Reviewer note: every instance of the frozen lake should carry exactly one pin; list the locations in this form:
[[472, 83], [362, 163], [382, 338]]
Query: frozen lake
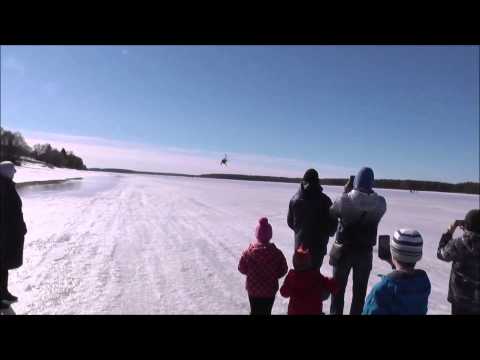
[[140, 244]]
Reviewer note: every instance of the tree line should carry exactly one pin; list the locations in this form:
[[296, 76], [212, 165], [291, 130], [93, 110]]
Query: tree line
[[396, 184], [13, 146]]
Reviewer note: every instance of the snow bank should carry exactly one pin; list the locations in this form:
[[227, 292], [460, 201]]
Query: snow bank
[[38, 171]]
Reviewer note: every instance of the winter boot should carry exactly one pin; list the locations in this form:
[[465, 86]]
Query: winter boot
[[8, 298]]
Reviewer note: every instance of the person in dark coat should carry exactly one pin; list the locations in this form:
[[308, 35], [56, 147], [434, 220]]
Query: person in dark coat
[[359, 212], [12, 229], [464, 252], [309, 217]]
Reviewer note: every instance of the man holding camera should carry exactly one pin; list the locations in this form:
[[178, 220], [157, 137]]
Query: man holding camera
[[359, 212], [464, 252]]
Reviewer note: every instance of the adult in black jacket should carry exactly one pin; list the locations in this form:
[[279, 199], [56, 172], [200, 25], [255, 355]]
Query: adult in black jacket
[[309, 217], [12, 229], [464, 252]]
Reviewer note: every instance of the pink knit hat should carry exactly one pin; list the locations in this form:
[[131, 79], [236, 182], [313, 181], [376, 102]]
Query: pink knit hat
[[263, 232]]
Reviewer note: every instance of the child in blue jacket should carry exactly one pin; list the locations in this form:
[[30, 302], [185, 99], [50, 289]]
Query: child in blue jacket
[[404, 291]]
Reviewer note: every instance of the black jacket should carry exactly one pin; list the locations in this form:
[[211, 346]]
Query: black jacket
[[464, 252], [12, 226], [309, 218]]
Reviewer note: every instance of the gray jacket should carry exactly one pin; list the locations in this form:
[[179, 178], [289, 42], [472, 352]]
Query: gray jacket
[[464, 252], [359, 214]]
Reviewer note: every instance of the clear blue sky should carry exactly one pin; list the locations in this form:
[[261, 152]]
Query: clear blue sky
[[407, 111]]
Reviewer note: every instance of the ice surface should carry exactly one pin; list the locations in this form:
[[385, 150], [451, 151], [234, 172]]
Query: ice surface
[[140, 244]]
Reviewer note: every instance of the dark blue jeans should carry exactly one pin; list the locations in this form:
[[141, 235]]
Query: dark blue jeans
[[361, 263]]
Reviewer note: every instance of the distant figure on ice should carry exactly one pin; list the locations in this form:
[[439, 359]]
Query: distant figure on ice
[[309, 217], [404, 291], [263, 264], [224, 161], [12, 231], [464, 252], [359, 212], [306, 287]]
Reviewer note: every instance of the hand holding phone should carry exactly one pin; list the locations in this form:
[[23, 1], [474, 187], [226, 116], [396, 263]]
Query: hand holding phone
[[456, 223], [384, 248], [460, 223]]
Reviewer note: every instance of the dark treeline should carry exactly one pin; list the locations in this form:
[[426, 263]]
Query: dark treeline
[[415, 185], [125, 171], [13, 146]]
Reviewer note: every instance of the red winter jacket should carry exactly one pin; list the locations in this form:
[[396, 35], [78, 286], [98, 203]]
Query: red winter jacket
[[263, 264], [306, 290]]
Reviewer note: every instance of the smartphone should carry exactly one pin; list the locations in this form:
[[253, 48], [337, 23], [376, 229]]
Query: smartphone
[[352, 178], [460, 223], [384, 247]]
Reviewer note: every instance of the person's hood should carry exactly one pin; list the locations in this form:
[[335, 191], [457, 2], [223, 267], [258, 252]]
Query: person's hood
[[7, 169], [472, 242], [311, 190], [364, 201], [364, 180]]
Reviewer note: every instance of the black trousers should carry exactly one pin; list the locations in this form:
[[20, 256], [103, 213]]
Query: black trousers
[[317, 261], [361, 263], [261, 306], [3, 280], [461, 309]]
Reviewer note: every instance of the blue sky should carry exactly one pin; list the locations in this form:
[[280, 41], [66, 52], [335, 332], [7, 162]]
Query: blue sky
[[406, 111]]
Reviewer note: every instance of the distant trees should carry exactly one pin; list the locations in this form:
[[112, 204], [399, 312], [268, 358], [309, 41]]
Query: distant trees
[[411, 185], [45, 153], [13, 146]]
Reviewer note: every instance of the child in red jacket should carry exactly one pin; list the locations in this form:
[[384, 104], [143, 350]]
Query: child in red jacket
[[307, 288], [264, 264]]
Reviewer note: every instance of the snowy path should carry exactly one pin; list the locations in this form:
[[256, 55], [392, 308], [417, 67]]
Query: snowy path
[[137, 244]]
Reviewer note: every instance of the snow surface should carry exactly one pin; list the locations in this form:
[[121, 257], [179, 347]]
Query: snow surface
[[38, 171], [140, 244]]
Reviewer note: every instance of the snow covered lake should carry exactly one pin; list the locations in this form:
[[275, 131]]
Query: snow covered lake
[[141, 244]]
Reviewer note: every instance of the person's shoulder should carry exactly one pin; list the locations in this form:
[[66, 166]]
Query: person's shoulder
[[7, 185], [291, 272], [387, 282], [250, 248], [295, 196], [422, 275], [324, 197], [271, 246], [345, 197], [4, 181]]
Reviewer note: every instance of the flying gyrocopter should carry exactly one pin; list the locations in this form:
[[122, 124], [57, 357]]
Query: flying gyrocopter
[[224, 161]]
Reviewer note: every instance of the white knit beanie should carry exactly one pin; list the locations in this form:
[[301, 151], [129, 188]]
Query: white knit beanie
[[406, 246]]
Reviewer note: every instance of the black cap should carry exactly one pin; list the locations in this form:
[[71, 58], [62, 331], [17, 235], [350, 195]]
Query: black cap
[[472, 221]]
